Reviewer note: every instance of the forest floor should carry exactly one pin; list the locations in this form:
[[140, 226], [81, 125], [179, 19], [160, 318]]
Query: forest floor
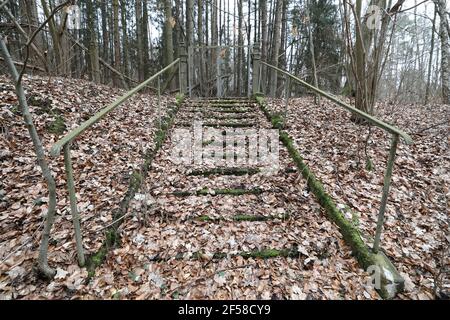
[[148, 263]]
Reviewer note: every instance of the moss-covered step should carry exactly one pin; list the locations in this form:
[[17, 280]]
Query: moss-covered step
[[232, 117], [222, 106], [222, 110], [221, 102], [246, 117], [218, 125], [266, 253], [225, 172], [217, 192]]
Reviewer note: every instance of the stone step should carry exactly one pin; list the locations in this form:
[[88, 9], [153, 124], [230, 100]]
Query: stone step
[[223, 102], [224, 110], [217, 192], [218, 125], [265, 253], [218, 116], [224, 279], [267, 205], [222, 106], [224, 171], [225, 238]]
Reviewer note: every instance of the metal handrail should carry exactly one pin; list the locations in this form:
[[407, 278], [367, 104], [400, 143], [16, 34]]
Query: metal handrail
[[395, 133], [377, 122], [65, 142], [56, 149]]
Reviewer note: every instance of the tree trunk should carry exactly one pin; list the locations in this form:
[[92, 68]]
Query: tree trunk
[[93, 44], [361, 87], [139, 39], [214, 41], [168, 37], [125, 41], [54, 35], [313, 55], [105, 35], [240, 55], [445, 50], [145, 40], [116, 34], [276, 46], [189, 22], [430, 61], [264, 40], [201, 37], [29, 11]]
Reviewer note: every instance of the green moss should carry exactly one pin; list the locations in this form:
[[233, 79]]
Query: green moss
[[230, 116], [271, 253], [220, 110], [183, 193], [207, 142], [179, 98], [259, 97], [233, 125], [277, 121], [350, 233], [369, 165], [225, 172], [267, 253], [57, 126], [222, 102], [205, 219], [16, 110], [220, 255], [112, 238], [136, 179], [176, 295], [236, 110], [116, 296], [95, 260]]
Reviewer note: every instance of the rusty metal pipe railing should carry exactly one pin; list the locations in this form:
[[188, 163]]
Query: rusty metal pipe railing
[[65, 142], [395, 133]]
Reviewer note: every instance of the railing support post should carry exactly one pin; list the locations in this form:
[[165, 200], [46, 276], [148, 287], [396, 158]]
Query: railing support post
[[287, 96], [73, 204], [256, 68], [386, 186], [183, 68], [159, 100]]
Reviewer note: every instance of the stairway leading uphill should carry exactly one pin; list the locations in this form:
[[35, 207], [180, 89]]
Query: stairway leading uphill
[[208, 229]]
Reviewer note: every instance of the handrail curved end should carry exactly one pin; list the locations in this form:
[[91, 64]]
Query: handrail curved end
[[407, 138], [55, 150]]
